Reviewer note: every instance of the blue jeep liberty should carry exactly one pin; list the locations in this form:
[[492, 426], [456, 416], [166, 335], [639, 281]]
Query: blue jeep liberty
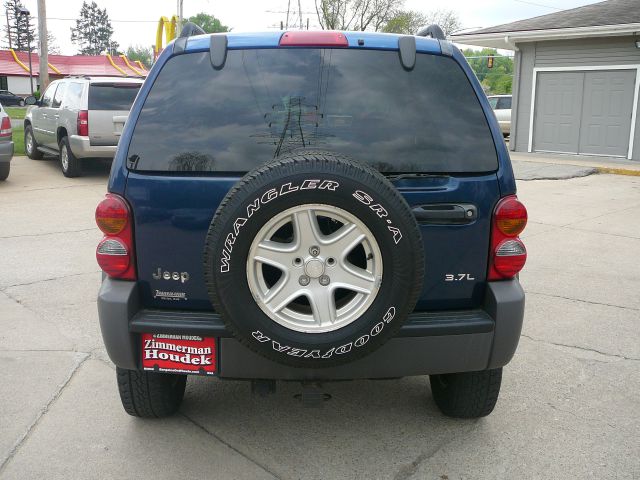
[[311, 206]]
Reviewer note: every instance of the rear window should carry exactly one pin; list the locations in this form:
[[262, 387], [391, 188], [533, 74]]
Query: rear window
[[112, 96], [267, 102]]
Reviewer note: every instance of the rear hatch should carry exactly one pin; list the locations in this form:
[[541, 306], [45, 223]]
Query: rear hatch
[[109, 105], [423, 128]]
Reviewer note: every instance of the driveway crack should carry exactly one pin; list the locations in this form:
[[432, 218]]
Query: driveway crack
[[584, 349], [227, 444], [409, 470], [582, 301], [80, 359], [3, 289], [50, 233]]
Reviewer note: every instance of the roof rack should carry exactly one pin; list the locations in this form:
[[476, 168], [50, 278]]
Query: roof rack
[[433, 31], [189, 30]]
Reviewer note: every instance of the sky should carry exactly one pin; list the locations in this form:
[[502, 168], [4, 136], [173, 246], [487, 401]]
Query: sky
[[135, 21]]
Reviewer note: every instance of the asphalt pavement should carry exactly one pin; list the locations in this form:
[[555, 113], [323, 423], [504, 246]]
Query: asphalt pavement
[[569, 405]]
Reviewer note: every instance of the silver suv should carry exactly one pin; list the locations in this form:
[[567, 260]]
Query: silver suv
[[78, 118]]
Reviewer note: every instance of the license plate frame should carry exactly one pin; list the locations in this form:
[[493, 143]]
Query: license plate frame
[[179, 354]]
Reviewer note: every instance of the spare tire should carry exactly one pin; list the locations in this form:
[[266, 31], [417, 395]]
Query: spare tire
[[314, 260]]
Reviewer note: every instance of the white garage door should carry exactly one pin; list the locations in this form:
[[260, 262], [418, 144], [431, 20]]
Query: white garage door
[[584, 112]]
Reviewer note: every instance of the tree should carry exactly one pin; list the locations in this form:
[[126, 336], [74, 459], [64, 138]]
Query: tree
[[208, 23], [93, 31], [356, 14], [406, 21], [496, 80], [52, 46], [18, 26], [138, 52], [448, 20]]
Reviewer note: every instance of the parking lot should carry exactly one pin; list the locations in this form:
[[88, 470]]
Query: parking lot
[[569, 405]]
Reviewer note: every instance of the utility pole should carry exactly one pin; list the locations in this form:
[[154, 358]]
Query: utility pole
[[8, 27], [179, 26], [23, 12], [44, 47]]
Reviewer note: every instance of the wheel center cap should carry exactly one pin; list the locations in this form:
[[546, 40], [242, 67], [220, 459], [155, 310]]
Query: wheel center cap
[[314, 268]]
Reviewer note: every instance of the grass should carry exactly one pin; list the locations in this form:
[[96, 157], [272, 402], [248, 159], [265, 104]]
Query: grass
[[17, 113], [18, 140]]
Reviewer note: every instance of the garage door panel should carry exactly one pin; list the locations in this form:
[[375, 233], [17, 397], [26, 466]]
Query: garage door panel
[[586, 112], [557, 111], [616, 135], [606, 112]]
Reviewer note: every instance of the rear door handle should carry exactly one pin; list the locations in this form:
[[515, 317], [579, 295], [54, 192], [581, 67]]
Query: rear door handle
[[446, 213]]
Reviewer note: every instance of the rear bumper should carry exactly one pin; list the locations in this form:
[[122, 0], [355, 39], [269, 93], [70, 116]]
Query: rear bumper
[[82, 148], [6, 152], [429, 343]]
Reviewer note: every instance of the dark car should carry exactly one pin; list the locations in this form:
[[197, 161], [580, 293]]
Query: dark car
[[7, 99], [311, 206], [6, 144]]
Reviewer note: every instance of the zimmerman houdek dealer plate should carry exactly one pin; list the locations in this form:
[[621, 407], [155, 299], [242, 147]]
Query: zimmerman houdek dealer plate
[[178, 353]]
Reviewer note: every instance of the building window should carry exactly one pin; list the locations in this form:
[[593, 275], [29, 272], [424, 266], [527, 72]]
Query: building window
[[4, 85]]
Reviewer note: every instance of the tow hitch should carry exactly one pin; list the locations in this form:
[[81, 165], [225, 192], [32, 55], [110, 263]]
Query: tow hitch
[[312, 395]]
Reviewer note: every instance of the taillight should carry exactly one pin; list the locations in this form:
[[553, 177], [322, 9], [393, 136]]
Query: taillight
[[115, 253], [83, 123], [508, 253], [5, 127], [320, 38]]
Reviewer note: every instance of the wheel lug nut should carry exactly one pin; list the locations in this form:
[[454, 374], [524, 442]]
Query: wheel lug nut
[[304, 280], [314, 251], [324, 280]]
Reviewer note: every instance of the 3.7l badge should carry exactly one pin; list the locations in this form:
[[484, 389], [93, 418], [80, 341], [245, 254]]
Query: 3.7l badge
[[458, 277]]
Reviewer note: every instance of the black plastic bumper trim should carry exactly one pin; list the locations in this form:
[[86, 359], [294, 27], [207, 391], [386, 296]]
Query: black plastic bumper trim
[[209, 324]]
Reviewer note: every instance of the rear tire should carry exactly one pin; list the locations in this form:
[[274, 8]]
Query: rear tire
[[70, 165], [4, 170], [467, 394], [150, 394], [30, 145]]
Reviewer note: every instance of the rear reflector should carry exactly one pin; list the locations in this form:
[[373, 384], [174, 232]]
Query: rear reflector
[[5, 127], [313, 39]]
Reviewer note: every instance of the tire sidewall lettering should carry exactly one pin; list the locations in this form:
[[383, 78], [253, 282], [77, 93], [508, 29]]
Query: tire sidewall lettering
[[286, 188], [342, 349]]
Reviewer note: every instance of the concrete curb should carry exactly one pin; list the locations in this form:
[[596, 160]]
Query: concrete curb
[[619, 171]]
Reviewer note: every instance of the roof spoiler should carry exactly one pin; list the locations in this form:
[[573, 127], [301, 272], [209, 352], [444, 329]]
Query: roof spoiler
[[434, 31], [189, 30]]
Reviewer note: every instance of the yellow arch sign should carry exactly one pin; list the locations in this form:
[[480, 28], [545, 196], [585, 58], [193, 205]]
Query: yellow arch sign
[[169, 27]]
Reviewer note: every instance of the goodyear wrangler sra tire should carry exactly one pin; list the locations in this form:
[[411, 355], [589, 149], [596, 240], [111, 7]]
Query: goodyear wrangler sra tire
[[314, 260]]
